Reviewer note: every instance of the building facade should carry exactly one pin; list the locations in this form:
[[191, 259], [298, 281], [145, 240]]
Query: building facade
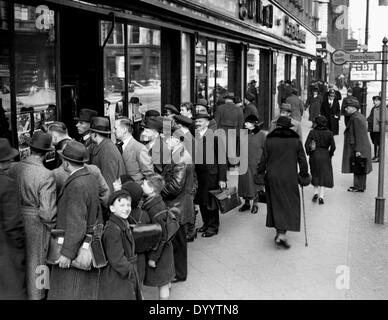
[[60, 56]]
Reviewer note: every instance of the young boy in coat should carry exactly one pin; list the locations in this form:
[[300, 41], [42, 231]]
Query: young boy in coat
[[160, 269], [119, 280]]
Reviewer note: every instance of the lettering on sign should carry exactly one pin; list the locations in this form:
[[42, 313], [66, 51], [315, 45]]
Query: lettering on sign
[[45, 19], [256, 11], [293, 31]]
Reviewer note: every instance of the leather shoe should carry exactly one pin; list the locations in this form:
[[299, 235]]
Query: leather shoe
[[245, 207], [255, 209], [178, 280], [315, 198], [282, 244], [202, 229], [321, 201], [209, 234]]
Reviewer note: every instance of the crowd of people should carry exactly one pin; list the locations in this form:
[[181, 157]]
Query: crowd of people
[[76, 186]]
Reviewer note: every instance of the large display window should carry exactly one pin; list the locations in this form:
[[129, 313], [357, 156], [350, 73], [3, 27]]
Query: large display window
[[186, 68], [253, 75]]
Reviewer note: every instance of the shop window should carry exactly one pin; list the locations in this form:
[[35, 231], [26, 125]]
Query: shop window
[[201, 75], [211, 87], [280, 76], [134, 34], [253, 73], [35, 67], [294, 70], [186, 68]]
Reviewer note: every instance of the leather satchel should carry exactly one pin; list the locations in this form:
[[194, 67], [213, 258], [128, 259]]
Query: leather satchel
[[146, 236], [227, 199], [358, 165]]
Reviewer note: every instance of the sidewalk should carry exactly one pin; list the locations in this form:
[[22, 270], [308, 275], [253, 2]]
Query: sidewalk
[[241, 262]]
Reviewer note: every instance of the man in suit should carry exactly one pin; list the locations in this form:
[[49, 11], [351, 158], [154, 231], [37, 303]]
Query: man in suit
[[331, 110], [105, 154], [297, 106], [78, 212], [211, 169], [83, 126], [137, 161]]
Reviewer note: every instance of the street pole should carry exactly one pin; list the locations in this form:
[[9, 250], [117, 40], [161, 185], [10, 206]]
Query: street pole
[[380, 200], [365, 84]]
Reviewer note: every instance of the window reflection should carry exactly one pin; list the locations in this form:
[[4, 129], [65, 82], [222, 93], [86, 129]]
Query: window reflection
[[253, 75], [201, 69], [186, 68]]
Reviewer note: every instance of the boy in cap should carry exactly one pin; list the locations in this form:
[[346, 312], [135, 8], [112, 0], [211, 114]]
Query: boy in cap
[[119, 280]]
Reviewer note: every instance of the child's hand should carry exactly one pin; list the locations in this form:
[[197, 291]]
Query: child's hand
[[117, 185], [151, 263]]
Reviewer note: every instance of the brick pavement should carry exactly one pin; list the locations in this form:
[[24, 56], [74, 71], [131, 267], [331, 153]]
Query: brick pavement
[[242, 263]]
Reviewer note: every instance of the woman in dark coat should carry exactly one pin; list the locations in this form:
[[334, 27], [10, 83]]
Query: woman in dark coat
[[320, 146], [314, 103], [332, 112], [283, 151], [246, 186], [160, 268]]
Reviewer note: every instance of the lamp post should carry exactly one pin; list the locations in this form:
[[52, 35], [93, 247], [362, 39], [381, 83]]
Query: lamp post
[[365, 84]]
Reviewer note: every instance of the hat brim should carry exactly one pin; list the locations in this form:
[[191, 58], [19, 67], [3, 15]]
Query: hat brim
[[13, 154], [39, 148], [60, 152], [83, 120], [100, 131]]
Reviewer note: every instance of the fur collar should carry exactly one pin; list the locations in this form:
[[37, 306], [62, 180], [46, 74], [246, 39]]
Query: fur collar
[[283, 133]]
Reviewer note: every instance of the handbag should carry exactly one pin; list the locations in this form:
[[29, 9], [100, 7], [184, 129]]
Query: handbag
[[146, 235], [261, 196], [227, 199], [358, 165]]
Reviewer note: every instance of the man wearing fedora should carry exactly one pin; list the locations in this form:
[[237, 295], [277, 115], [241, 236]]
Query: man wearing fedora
[[104, 153], [331, 110], [78, 212], [285, 111], [283, 152], [230, 118], [38, 199], [211, 175], [157, 148], [202, 107], [83, 125], [12, 235], [137, 161]]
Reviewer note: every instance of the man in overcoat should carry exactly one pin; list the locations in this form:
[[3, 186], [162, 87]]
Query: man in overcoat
[[211, 169], [356, 144], [331, 111], [78, 212], [297, 106], [83, 125], [12, 235], [283, 152], [105, 154], [137, 161]]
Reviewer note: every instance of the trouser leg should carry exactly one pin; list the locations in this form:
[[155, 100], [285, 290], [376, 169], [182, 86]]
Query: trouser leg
[[213, 221], [360, 182], [204, 215], [180, 253]]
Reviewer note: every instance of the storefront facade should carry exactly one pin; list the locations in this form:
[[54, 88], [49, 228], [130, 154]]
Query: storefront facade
[[60, 56]]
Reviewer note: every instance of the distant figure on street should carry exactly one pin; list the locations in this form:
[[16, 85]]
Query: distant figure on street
[[349, 99], [320, 146], [374, 134], [297, 107], [250, 106], [357, 92], [331, 111], [285, 111], [314, 104], [356, 144], [283, 152]]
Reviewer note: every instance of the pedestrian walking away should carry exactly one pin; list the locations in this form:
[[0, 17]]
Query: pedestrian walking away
[[283, 151], [320, 146]]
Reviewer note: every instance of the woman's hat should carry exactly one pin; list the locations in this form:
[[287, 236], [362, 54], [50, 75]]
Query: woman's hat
[[134, 190], [75, 151], [100, 125], [321, 121], [6, 151], [86, 115], [284, 122], [41, 141], [252, 119]]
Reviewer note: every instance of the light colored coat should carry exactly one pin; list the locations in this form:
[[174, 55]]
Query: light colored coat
[[38, 207], [297, 107], [137, 161]]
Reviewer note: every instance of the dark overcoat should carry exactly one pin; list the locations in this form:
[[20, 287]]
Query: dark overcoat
[[108, 159], [163, 254], [283, 152], [356, 140], [78, 210], [314, 104], [250, 109], [179, 184], [246, 185], [12, 242], [332, 114], [209, 173], [119, 279], [320, 159]]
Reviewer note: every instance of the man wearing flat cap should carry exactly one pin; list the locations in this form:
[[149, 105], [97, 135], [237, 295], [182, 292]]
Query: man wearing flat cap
[[211, 172], [78, 212], [83, 125], [104, 153], [330, 109], [285, 111]]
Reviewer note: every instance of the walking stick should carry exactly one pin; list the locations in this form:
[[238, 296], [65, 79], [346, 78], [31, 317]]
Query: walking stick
[[304, 220]]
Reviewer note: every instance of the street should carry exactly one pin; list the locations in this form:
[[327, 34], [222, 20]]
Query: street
[[345, 258]]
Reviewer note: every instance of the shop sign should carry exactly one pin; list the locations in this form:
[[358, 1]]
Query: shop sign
[[45, 19], [293, 31], [256, 11], [363, 72]]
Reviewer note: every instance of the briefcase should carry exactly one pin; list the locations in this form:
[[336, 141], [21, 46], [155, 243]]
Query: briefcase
[[358, 165], [227, 199]]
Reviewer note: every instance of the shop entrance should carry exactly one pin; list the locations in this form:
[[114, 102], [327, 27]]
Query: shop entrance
[[79, 61]]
